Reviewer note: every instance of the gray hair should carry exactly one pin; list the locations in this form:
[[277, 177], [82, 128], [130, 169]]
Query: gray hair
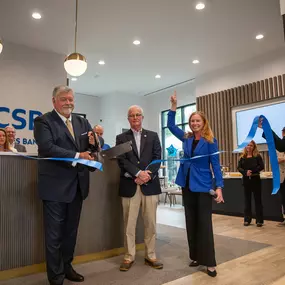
[[11, 127], [61, 89], [135, 106]]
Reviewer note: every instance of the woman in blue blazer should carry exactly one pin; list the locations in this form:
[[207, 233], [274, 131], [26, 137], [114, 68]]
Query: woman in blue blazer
[[195, 178]]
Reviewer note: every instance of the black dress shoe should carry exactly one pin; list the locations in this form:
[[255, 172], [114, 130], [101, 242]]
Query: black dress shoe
[[72, 275], [194, 263], [212, 273], [53, 283], [259, 225], [246, 224]]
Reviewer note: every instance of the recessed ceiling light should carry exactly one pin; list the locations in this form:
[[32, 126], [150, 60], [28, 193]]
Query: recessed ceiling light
[[195, 61], [36, 15], [259, 37], [101, 62], [74, 79], [200, 6], [157, 76], [136, 42]]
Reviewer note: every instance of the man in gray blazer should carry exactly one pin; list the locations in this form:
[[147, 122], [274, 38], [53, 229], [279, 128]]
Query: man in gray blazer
[[11, 133]]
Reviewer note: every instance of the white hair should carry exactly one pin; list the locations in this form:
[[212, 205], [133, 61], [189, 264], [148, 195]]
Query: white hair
[[61, 89], [135, 106]]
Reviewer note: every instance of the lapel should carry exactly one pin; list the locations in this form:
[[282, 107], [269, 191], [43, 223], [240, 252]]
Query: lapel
[[63, 126], [130, 137], [189, 148], [199, 145], [143, 140]]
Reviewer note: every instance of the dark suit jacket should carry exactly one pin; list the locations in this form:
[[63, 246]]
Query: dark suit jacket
[[58, 180], [20, 147], [279, 143], [131, 163]]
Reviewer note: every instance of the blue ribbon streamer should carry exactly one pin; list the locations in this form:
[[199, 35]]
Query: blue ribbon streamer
[[271, 148], [184, 159], [91, 163]]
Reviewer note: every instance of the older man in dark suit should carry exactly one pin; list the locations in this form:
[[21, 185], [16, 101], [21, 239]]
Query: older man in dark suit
[[139, 187], [11, 133], [62, 185]]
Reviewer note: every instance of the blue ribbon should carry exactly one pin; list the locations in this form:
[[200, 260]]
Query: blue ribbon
[[184, 159], [271, 148], [91, 163]]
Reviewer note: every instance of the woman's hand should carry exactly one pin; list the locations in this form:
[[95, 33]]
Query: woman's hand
[[173, 100], [219, 198], [248, 173]]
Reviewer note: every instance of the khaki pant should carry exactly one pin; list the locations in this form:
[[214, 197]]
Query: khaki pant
[[131, 207]]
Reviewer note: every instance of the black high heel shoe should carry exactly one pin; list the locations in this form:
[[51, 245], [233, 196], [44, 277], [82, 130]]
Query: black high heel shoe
[[194, 263], [212, 273]]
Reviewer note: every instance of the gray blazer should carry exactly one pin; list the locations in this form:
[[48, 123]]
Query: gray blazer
[[20, 147]]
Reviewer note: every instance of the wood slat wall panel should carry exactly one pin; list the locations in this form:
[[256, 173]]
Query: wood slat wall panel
[[217, 107]]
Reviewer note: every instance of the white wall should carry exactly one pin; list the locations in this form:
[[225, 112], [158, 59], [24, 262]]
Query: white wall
[[114, 109], [89, 105], [27, 78], [258, 68], [160, 101]]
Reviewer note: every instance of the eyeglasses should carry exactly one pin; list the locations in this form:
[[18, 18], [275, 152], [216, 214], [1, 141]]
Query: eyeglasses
[[135, 115]]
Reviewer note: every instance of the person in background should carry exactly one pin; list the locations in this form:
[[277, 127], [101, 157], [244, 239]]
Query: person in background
[[195, 178], [4, 144], [250, 164], [99, 130], [139, 188], [281, 161], [11, 133], [279, 143]]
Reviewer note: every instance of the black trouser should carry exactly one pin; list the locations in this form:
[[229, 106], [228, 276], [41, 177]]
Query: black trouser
[[61, 223], [252, 185], [198, 214], [282, 195]]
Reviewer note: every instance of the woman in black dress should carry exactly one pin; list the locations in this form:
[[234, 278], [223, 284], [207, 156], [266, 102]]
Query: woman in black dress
[[250, 165]]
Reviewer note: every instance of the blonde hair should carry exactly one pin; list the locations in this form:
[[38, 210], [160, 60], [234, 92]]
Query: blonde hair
[[255, 151], [206, 132]]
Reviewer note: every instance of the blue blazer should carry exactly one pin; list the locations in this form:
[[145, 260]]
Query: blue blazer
[[200, 178]]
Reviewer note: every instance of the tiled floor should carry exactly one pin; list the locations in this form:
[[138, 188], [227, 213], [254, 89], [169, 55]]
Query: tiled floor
[[245, 255]]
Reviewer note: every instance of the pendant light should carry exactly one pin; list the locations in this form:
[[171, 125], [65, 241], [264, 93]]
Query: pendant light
[[75, 64]]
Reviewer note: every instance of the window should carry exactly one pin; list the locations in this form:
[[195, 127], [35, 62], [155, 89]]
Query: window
[[182, 115]]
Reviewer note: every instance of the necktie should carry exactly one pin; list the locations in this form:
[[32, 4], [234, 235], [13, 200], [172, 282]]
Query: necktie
[[70, 128]]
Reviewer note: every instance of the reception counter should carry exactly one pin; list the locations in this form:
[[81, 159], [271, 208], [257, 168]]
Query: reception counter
[[234, 199], [21, 218]]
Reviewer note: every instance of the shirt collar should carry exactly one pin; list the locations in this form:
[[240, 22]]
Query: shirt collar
[[64, 118], [136, 132]]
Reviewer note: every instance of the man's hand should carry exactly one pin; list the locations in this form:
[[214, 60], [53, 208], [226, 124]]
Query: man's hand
[[248, 173], [85, 155], [139, 181], [91, 138], [144, 176]]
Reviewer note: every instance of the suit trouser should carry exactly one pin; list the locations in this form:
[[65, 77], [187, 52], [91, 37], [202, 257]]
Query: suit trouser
[[131, 207], [198, 216], [253, 185], [61, 222], [282, 195]]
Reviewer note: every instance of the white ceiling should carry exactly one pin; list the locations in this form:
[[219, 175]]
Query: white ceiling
[[172, 34]]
